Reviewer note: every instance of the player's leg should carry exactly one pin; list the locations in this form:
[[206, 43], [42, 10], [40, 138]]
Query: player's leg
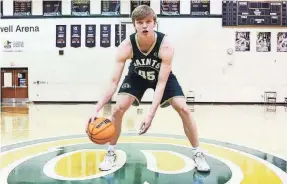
[[122, 105], [189, 124], [131, 91], [173, 95]]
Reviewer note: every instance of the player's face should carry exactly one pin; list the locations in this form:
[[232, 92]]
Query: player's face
[[145, 26]]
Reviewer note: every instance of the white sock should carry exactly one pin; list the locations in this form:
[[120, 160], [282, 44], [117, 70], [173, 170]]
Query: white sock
[[111, 147], [196, 149]]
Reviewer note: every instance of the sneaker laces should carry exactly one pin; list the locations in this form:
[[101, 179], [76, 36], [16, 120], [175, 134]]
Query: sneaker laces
[[199, 156], [110, 156]]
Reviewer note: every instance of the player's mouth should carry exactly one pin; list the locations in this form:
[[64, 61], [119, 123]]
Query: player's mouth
[[145, 31]]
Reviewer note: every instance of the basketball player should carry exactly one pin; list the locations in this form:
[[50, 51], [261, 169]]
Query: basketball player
[[151, 54]]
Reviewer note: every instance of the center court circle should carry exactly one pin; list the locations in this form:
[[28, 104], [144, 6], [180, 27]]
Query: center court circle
[[135, 169], [150, 157]]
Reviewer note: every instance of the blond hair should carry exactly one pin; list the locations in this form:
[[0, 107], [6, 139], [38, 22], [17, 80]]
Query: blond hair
[[141, 12]]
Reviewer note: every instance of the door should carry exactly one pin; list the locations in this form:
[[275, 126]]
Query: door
[[14, 84], [21, 84]]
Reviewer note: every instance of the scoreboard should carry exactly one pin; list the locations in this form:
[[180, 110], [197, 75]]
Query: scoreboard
[[254, 13]]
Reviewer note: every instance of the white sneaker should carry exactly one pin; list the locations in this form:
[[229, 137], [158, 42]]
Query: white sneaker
[[200, 162], [109, 161]]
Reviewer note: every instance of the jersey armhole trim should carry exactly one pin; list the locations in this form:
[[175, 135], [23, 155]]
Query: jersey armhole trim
[[160, 45]]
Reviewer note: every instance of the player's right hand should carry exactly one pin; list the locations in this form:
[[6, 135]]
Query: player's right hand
[[91, 119]]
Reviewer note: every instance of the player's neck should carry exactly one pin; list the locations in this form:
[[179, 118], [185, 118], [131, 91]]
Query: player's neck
[[146, 40]]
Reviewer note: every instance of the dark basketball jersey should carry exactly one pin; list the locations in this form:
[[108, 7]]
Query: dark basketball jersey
[[146, 65]]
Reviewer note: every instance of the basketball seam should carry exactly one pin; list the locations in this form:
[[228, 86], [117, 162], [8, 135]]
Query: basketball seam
[[100, 130], [100, 139], [92, 122]]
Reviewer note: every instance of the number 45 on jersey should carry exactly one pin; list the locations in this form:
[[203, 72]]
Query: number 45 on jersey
[[149, 75]]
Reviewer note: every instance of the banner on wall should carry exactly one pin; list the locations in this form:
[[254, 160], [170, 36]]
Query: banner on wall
[[263, 42], [282, 42], [90, 36], [168, 7], [242, 41], [80, 7], [136, 3], [110, 8], [61, 36], [75, 36], [120, 37], [52, 8], [22, 8], [105, 35]]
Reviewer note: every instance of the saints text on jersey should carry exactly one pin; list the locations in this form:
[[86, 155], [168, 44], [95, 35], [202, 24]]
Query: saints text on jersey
[[147, 63]]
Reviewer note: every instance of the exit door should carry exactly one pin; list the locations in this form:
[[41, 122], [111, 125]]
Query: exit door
[[14, 84]]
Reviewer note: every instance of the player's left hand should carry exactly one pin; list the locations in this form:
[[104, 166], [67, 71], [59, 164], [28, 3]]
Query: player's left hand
[[145, 124]]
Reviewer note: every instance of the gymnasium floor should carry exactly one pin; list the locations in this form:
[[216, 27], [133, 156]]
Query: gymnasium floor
[[47, 144]]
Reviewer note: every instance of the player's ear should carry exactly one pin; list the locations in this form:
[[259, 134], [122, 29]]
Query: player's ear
[[154, 25]]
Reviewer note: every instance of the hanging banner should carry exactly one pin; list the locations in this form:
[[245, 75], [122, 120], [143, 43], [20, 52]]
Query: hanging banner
[[110, 8], [120, 37], [136, 3], [75, 36], [61, 36], [22, 8], [52, 8], [170, 7], [105, 36], [90, 36], [80, 7]]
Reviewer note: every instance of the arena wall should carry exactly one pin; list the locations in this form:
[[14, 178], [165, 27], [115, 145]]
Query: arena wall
[[205, 61]]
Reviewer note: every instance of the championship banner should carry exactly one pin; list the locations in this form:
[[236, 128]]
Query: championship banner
[[136, 3], [90, 36], [105, 36], [75, 36], [80, 7], [52, 8], [22, 8], [61, 36], [110, 8], [120, 37], [170, 7]]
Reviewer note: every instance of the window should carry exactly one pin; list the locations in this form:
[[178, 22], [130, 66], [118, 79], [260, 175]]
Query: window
[[80, 7], [52, 8], [112, 7], [22, 7]]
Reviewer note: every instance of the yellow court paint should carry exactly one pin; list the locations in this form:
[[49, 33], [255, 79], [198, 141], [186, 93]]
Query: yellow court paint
[[80, 164], [168, 162]]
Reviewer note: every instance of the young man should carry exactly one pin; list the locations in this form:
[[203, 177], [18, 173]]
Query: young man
[[151, 54]]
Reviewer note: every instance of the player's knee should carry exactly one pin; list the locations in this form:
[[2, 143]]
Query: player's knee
[[119, 110], [183, 110]]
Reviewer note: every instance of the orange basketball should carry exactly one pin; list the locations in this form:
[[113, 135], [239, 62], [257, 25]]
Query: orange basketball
[[101, 130]]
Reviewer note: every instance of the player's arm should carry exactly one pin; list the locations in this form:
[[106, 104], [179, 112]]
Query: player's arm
[[123, 53], [166, 54]]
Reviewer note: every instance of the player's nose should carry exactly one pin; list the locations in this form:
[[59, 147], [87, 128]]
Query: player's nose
[[144, 25]]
